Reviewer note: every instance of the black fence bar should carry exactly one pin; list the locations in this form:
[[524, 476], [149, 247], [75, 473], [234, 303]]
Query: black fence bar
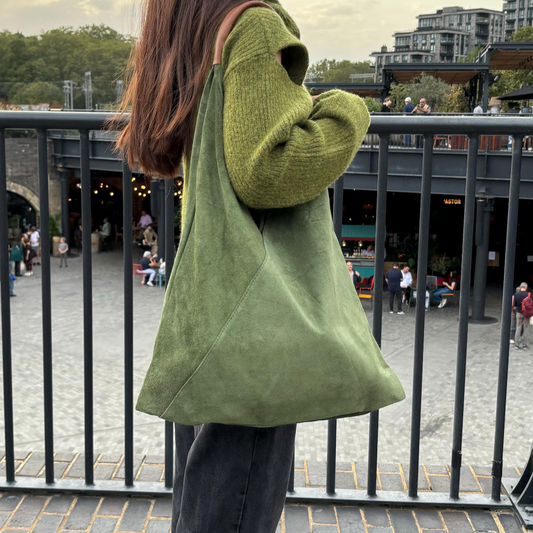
[[377, 317], [127, 238], [508, 291], [290, 488], [46, 306], [423, 244], [6, 317], [464, 304], [86, 191], [331, 454], [169, 265]]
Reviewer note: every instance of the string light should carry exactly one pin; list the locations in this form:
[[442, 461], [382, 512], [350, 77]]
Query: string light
[[143, 186], [95, 192], [135, 189], [111, 194]]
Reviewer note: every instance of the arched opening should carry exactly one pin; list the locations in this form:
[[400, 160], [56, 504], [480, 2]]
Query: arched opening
[[20, 215]]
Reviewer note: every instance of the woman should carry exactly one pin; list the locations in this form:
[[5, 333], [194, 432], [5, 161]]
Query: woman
[[282, 148], [16, 256], [29, 254], [447, 289]]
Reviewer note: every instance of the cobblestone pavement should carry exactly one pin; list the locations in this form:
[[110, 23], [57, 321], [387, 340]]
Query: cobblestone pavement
[[34, 513], [398, 341]]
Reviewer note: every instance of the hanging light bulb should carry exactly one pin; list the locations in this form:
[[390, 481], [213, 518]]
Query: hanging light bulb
[[111, 194]]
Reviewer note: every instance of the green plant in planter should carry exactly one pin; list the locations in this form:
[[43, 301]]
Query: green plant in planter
[[54, 226], [440, 265]]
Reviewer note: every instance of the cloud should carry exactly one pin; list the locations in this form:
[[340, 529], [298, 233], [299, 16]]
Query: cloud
[[336, 29]]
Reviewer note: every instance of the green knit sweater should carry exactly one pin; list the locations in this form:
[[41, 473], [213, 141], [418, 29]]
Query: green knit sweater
[[282, 148]]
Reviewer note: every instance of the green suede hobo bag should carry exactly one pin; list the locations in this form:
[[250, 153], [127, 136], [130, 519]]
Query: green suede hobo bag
[[261, 324]]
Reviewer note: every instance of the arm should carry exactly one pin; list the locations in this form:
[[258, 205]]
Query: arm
[[283, 148]]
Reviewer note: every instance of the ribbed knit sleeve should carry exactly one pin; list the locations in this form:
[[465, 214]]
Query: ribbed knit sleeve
[[281, 147]]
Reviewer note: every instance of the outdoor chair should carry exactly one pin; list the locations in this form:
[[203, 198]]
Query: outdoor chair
[[137, 269], [366, 290], [117, 234]]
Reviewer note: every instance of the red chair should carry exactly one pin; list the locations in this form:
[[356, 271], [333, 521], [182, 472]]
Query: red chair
[[137, 268], [366, 291]]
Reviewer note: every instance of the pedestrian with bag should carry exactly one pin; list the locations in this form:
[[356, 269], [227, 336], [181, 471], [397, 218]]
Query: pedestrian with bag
[[523, 310], [250, 343]]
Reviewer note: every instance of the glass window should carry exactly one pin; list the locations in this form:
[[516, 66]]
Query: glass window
[[396, 59], [432, 48], [387, 59], [405, 59]]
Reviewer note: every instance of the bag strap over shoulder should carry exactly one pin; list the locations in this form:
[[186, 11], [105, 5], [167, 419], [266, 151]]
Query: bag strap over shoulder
[[228, 23]]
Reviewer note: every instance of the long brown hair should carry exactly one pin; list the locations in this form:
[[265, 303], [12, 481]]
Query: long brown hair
[[167, 72]]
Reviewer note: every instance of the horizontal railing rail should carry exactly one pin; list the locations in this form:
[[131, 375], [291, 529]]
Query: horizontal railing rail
[[383, 127]]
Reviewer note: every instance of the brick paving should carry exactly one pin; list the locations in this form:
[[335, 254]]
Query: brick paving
[[31, 513]]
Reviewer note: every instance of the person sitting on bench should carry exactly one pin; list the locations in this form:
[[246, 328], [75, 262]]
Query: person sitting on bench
[[447, 289]]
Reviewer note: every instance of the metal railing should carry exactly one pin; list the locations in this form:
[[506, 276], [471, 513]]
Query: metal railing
[[382, 126]]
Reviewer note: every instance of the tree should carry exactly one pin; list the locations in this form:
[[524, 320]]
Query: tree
[[372, 105], [39, 92], [65, 54], [333, 71], [455, 101], [428, 87]]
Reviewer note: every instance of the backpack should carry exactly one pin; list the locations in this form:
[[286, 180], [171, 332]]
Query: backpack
[[527, 306]]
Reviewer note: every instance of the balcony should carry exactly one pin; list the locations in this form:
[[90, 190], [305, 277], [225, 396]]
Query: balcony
[[482, 20]]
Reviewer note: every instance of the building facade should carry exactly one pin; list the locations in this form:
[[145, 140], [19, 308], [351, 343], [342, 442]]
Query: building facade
[[446, 36], [518, 13]]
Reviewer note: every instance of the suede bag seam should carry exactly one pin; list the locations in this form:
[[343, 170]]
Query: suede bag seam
[[222, 331]]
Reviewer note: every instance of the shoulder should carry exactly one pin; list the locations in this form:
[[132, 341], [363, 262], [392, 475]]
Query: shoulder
[[259, 31]]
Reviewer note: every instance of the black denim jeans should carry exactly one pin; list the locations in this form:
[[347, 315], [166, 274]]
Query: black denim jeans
[[230, 479]]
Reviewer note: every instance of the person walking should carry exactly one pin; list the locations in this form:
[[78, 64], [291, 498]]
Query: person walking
[[35, 240], [407, 281], [29, 254], [523, 310], [408, 110], [63, 251], [394, 279], [282, 148]]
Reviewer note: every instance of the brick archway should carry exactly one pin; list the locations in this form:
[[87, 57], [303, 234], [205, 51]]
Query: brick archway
[[25, 193]]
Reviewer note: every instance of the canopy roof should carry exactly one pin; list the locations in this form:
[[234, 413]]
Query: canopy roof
[[451, 73], [508, 56], [362, 89], [525, 93]]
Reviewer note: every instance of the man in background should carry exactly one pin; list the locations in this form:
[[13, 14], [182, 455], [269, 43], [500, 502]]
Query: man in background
[[393, 279], [407, 110], [385, 107], [478, 110]]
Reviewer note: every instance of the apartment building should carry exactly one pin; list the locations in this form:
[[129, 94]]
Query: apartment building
[[446, 36], [518, 13]]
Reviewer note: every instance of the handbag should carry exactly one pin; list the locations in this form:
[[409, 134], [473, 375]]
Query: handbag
[[261, 324]]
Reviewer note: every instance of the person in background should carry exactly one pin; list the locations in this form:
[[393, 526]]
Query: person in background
[[35, 240], [513, 320], [356, 277], [149, 237], [407, 110], [407, 281], [105, 229], [393, 279], [147, 267], [448, 287], [16, 256], [11, 277], [385, 107], [522, 322], [63, 250], [421, 109], [29, 254], [143, 223], [478, 109], [369, 252], [78, 235]]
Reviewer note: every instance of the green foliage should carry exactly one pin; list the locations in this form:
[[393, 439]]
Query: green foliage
[[54, 222], [455, 100], [512, 80], [428, 87], [40, 92], [63, 54], [372, 105], [471, 56], [333, 71]]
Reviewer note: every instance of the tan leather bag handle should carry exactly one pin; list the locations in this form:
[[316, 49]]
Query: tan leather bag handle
[[227, 26]]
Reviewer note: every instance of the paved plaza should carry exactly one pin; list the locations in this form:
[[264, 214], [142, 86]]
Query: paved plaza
[[398, 342]]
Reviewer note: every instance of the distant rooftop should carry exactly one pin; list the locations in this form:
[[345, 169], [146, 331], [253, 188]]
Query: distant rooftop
[[457, 9]]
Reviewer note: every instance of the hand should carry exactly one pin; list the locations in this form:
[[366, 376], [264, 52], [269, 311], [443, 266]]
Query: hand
[[315, 97]]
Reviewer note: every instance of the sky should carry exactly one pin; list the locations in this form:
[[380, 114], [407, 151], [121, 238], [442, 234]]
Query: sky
[[332, 29]]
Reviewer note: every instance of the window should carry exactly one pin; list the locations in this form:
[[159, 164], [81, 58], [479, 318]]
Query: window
[[405, 59], [521, 14], [388, 60], [432, 48], [403, 41], [396, 59], [433, 36]]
